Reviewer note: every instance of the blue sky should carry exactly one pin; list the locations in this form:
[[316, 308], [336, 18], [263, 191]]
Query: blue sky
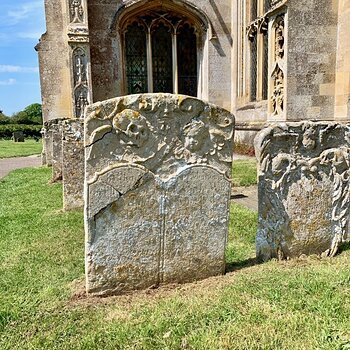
[[21, 24]]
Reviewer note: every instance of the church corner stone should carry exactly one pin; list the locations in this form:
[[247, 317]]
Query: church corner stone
[[304, 184], [157, 187]]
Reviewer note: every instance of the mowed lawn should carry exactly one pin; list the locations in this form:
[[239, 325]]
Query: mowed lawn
[[298, 304], [244, 172], [9, 149]]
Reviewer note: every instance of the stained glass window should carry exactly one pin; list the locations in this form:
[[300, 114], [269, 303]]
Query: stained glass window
[[265, 67], [187, 61], [136, 59], [162, 59], [159, 46]]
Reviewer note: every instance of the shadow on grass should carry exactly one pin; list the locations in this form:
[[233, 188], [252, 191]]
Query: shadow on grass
[[344, 247], [241, 264]]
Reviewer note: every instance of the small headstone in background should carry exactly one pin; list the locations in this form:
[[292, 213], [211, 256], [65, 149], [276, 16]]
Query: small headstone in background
[[57, 158], [304, 186], [73, 163], [18, 136]]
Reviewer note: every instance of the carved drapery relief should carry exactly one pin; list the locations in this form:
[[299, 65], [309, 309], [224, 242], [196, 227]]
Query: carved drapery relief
[[76, 11], [80, 77], [277, 75], [304, 184]]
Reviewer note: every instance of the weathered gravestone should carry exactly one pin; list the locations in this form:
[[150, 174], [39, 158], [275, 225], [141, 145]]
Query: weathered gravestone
[[304, 189], [157, 180], [57, 154], [47, 132], [18, 136], [73, 163]]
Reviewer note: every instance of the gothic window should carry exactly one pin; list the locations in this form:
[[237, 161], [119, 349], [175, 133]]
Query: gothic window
[[257, 32], [161, 53]]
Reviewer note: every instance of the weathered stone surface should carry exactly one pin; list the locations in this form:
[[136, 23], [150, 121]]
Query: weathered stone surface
[[57, 158], [157, 185], [303, 189], [73, 163], [47, 133]]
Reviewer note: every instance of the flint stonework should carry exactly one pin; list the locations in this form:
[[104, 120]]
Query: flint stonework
[[303, 189], [157, 186], [73, 163]]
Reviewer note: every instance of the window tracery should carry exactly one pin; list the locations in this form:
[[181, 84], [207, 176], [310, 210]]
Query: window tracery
[[161, 53]]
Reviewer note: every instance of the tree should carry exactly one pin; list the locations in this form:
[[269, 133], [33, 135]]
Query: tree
[[4, 119], [32, 114]]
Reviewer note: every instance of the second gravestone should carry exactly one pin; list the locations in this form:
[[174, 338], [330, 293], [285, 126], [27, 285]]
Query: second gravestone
[[157, 186]]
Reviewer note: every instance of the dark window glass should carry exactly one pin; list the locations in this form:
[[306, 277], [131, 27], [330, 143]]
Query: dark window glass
[[267, 5], [136, 59], [253, 9], [253, 68], [162, 60], [187, 61], [265, 68]]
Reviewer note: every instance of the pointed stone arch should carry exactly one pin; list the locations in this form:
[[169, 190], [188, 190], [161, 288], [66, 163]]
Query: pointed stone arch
[[175, 15]]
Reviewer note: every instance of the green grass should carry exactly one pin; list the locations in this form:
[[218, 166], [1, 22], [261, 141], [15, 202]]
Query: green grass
[[299, 304], [244, 172], [9, 149]]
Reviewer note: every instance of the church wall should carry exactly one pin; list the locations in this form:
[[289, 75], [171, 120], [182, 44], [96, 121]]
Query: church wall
[[342, 86], [54, 64], [311, 59]]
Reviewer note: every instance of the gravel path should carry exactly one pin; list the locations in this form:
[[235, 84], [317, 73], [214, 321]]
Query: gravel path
[[9, 164]]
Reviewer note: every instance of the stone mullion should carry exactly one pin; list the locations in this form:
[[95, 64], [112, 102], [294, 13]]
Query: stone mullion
[[175, 71], [149, 61]]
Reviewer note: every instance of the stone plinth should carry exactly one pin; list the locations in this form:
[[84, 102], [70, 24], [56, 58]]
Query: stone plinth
[[303, 189], [73, 163], [157, 186]]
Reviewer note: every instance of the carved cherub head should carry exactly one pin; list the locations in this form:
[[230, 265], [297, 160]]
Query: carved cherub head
[[196, 134], [309, 137], [132, 127]]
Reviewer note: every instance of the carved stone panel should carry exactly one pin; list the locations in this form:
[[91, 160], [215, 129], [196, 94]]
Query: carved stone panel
[[303, 189], [157, 184], [277, 75], [76, 10], [196, 225], [80, 77], [73, 164], [123, 231]]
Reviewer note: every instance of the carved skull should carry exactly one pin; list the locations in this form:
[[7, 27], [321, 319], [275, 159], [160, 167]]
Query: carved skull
[[132, 126]]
